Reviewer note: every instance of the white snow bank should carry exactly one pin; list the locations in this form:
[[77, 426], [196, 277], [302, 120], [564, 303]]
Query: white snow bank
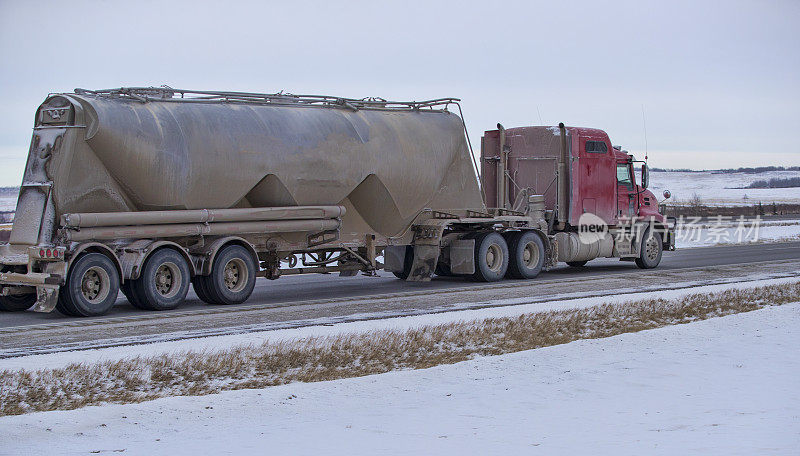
[[509, 308], [723, 189], [693, 234], [722, 386]]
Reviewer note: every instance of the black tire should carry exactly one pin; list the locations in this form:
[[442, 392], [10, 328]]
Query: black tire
[[17, 303], [130, 295], [443, 270], [164, 281], [199, 285], [577, 264], [491, 257], [232, 278], [651, 250], [91, 287], [527, 253], [407, 263]]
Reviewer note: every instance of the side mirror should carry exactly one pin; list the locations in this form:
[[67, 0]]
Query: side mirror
[[667, 194], [645, 176]]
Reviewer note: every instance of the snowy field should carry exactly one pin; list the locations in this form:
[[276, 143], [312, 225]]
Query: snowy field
[[721, 386], [692, 232], [722, 189]]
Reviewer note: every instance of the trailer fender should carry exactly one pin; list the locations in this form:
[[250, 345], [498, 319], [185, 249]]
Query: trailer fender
[[98, 248], [203, 258], [136, 253]]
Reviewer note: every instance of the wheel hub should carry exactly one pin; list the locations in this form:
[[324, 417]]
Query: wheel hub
[[234, 274], [95, 285], [164, 279]]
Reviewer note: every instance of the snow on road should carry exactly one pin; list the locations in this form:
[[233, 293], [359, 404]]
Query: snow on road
[[721, 386], [495, 309]]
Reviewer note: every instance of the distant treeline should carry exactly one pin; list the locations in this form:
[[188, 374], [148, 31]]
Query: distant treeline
[[776, 183], [9, 190], [756, 170]]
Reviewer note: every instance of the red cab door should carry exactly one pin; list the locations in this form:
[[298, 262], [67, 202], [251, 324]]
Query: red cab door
[[626, 192]]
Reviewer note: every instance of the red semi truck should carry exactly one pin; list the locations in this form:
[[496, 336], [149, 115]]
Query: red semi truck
[[149, 191]]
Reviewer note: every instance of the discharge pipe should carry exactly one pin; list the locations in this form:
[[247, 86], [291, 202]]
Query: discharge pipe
[[88, 220], [201, 229]]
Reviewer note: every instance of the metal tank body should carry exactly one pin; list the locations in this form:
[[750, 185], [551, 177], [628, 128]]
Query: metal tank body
[[145, 154]]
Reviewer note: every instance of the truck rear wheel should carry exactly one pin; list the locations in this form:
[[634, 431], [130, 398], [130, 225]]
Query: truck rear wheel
[[16, 303], [232, 278], [651, 250], [491, 257], [91, 287], [527, 255], [163, 283]]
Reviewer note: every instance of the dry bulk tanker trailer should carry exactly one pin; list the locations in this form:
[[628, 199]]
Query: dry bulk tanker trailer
[[151, 190]]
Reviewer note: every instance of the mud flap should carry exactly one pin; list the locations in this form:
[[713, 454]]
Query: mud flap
[[462, 256], [46, 299], [394, 257], [427, 239], [425, 258]]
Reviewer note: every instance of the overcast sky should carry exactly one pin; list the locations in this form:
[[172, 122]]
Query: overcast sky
[[719, 81]]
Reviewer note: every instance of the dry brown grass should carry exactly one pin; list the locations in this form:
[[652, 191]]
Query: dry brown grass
[[327, 358]]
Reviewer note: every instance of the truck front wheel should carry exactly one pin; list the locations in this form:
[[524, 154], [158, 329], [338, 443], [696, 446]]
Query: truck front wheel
[[527, 255], [491, 257], [651, 250]]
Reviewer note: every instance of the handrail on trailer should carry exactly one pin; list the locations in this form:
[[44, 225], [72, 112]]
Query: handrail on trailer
[[165, 93]]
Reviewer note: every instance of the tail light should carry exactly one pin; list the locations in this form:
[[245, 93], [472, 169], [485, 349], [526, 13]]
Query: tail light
[[47, 253]]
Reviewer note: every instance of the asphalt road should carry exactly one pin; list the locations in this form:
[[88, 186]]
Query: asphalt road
[[315, 287]]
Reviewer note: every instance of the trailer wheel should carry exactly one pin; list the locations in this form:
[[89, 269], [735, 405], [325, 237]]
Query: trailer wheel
[[491, 257], [577, 264], [527, 255], [16, 303], [232, 278], [127, 290], [91, 287], [407, 263], [164, 281], [651, 250]]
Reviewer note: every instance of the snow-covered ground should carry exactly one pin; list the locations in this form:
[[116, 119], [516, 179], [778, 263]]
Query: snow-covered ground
[[8, 202], [722, 189], [693, 232], [721, 386]]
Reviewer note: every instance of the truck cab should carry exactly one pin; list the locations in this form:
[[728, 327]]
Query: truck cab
[[581, 177]]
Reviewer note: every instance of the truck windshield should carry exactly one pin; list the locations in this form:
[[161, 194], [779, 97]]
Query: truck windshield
[[624, 175]]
